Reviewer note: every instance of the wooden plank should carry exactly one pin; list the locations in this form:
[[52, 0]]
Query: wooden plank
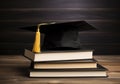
[[59, 9], [101, 25], [18, 37], [114, 74], [12, 52], [58, 3], [60, 14], [19, 72]]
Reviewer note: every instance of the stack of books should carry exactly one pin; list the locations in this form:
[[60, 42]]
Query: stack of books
[[72, 63]]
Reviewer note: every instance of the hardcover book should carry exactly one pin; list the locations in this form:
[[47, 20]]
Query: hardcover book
[[69, 64], [59, 55], [81, 72]]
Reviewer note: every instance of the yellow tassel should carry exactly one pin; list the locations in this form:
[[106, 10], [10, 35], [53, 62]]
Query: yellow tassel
[[36, 46]]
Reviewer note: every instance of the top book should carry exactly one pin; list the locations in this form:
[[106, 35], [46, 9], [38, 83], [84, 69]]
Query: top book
[[59, 55]]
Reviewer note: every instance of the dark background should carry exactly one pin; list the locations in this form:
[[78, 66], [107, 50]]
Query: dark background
[[102, 14]]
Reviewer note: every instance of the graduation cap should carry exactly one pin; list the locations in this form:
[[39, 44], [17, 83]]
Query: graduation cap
[[62, 36]]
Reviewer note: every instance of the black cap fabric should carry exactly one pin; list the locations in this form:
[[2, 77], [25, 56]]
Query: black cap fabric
[[62, 36], [66, 26], [74, 25]]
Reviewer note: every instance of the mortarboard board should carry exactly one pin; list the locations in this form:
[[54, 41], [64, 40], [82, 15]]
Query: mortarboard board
[[62, 36]]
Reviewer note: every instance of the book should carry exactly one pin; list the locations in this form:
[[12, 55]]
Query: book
[[59, 55], [69, 64], [81, 72]]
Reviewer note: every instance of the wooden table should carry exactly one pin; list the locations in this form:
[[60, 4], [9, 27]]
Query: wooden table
[[14, 70]]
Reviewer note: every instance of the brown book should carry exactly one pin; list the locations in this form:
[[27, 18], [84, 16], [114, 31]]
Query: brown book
[[88, 63]]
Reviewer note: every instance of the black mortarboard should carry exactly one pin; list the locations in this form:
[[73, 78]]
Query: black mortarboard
[[62, 35]]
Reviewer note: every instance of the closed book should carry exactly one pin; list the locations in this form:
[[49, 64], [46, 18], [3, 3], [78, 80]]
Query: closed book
[[82, 72], [59, 55], [86, 63]]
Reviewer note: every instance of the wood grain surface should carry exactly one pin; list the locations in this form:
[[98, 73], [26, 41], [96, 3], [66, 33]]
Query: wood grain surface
[[14, 70]]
